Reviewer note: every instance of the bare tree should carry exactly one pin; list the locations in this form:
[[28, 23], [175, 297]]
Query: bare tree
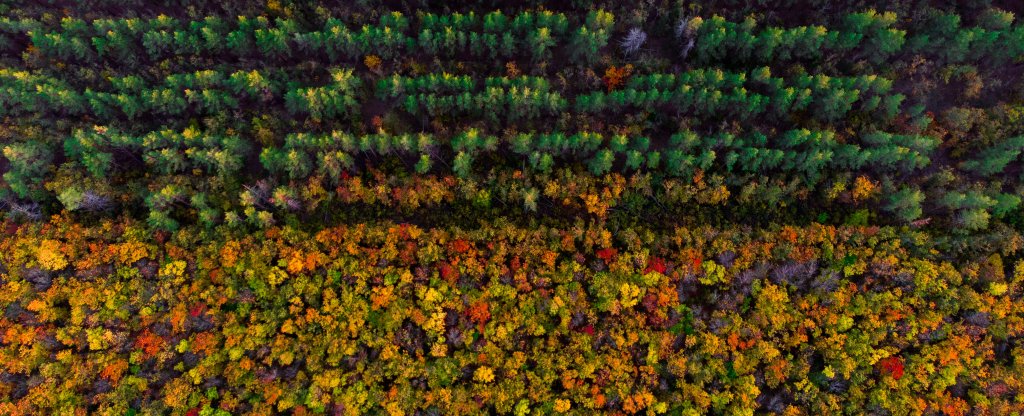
[[633, 41], [93, 202], [27, 210], [684, 31]]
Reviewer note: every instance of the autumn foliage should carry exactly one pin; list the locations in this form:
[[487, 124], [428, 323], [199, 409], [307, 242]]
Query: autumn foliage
[[468, 321], [892, 366], [615, 77]]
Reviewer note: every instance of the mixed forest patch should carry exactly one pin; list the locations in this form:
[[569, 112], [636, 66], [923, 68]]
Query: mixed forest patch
[[394, 207]]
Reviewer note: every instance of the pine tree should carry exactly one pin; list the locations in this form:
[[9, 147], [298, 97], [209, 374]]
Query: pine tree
[[589, 39], [973, 219], [29, 162], [634, 160], [906, 203], [424, 164], [541, 42], [530, 197], [463, 165], [542, 162], [602, 162]]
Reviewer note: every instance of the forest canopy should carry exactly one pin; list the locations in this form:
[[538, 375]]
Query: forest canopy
[[719, 207]]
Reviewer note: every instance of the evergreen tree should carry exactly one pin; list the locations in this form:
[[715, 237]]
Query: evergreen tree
[[424, 164], [905, 203], [602, 162], [463, 165]]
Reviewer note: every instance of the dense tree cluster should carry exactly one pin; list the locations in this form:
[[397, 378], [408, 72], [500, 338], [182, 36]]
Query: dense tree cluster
[[396, 318]]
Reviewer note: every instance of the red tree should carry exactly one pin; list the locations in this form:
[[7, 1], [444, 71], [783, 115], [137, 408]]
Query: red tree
[[892, 366]]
